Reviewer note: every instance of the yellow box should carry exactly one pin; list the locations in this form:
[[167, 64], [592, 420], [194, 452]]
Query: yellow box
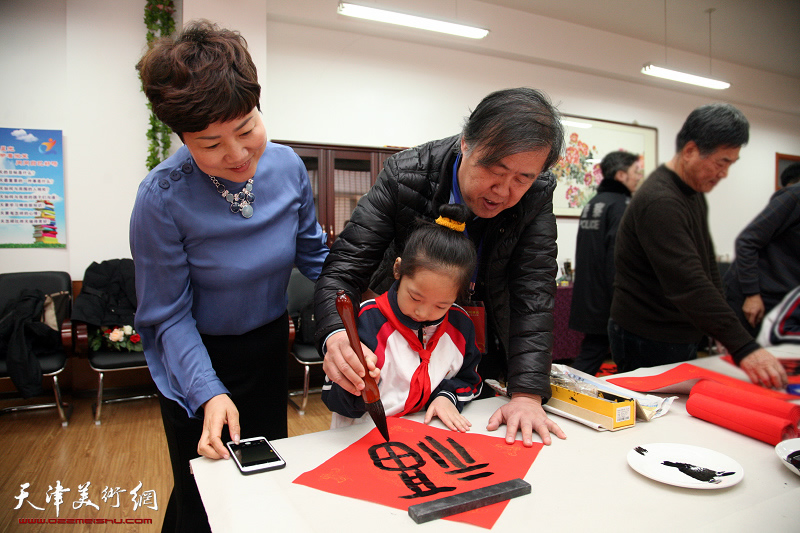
[[612, 412]]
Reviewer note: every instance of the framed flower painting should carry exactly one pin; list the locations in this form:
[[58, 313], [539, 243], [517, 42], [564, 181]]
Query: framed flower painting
[[587, 141]]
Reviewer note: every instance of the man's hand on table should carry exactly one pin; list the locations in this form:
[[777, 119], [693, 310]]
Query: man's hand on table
[[764, 369], [525, 413]]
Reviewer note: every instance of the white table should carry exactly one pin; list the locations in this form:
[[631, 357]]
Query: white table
[[582, 482]]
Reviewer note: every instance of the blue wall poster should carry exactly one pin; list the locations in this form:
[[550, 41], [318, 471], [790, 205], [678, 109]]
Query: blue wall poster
[[32, 189]]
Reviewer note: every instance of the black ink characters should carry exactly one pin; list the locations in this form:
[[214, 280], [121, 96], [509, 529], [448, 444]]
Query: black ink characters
[[698, 472], [399, 457]]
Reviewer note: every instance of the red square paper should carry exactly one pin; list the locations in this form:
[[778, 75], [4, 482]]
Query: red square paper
[[683, 377], [422, 463]]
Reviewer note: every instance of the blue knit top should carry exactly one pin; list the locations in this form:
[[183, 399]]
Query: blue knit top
[[202, 269]]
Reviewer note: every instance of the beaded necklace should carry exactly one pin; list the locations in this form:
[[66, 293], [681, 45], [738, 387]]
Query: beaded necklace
[[240, 202]]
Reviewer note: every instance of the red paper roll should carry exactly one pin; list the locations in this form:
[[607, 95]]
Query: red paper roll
[[764, 427], [751, 400]]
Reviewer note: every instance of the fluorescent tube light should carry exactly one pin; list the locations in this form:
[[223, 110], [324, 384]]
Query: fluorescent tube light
[[401, 19], [652, 70]]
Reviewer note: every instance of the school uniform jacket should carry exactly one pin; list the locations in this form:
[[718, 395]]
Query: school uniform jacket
[[452, 368]]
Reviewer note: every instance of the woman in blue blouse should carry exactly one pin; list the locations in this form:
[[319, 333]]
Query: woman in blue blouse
[[215, 231]]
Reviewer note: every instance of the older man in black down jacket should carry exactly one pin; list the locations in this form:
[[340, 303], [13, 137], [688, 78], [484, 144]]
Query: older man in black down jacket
[[497, 167]]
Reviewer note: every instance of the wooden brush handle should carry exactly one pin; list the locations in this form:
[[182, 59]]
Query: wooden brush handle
[[345, 308]]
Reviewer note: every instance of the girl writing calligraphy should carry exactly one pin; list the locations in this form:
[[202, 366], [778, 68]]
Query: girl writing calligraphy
[[424, 342]]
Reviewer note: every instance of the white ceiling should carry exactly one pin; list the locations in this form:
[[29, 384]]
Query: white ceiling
[[762, 34]]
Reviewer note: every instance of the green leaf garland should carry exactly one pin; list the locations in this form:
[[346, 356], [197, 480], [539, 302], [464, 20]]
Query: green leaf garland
[[158, 17]]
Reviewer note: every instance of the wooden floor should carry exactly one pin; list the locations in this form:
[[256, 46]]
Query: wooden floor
[[127, 449]]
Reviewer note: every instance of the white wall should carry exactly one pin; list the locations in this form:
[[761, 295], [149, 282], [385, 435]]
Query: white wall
[[104, 127], [326, 81], [74, 61], [357, 89], [33, 61]]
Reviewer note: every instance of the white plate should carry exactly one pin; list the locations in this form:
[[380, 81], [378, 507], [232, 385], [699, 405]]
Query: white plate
[[692, 467], [783, 449]]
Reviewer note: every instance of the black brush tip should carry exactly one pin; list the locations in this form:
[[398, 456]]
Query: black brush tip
[[378, 415]]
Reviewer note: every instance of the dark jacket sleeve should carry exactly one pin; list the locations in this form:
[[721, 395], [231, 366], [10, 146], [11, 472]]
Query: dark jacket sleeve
[[338, 400], [782, 212], [335, 398], [530, 281], [615, 212]]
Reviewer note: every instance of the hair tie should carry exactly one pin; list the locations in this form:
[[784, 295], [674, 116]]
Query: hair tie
[[452, 224]]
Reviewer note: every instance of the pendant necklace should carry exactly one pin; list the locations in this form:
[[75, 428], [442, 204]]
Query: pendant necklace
[[240, 202]]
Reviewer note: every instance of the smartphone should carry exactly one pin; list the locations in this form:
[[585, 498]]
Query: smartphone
[[255, 454]]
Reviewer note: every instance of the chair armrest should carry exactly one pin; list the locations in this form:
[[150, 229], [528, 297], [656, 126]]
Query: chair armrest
[[292, 334], [67, 337], [80, 338]]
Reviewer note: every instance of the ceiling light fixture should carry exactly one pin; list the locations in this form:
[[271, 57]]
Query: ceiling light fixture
[[683, 77], [660, 72], [401, 19]]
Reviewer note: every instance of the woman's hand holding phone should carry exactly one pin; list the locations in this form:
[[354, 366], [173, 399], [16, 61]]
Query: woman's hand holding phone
[[255, 455], [217, 412]]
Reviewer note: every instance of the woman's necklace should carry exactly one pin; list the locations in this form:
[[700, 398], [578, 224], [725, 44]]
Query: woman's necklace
[[240, 202]]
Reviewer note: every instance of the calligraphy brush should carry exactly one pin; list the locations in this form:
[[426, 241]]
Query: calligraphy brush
[[371, 395]]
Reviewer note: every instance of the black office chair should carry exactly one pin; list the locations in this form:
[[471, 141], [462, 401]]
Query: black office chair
[[53, 359], [102, 361], [301, 344], [108, 299]]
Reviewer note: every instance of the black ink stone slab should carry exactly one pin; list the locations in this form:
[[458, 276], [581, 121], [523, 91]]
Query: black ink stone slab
[[467, 501]]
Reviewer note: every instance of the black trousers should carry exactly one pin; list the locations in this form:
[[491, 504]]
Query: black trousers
[[253, 367], [630, 351], [595, 349]]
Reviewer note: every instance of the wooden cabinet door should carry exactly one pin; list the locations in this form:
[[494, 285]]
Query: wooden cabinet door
[[314, 160], [351, 176], [340, 176]]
